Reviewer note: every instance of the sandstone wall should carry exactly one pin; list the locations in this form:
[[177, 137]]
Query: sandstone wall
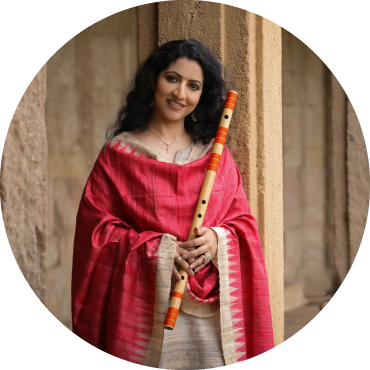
[[358, 182], [337, 186], [326, 176], [23, 185], [349, 183], [86, 80], [307, 253]]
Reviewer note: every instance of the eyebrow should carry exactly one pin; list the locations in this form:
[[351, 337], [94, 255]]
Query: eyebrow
[[177, 74]]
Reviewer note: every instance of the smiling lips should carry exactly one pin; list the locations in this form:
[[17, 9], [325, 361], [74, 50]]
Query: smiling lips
[[175, 105]]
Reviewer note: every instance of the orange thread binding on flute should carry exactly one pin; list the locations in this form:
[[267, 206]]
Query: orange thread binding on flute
[[215, 156], [214, 161], [173, 310], [170, 323], [223, 129], [230, 106], [212, 167], [220, 140], [171, 316], [231, 101], [221, 134], [177, 294], [232, 95]]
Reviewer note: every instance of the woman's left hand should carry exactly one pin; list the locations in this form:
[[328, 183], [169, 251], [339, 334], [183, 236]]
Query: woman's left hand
[[205, 244]]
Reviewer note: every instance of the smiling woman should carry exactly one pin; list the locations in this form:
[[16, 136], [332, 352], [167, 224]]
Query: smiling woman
[[135, 215], [197, 63], [181, 94], [177, 93]]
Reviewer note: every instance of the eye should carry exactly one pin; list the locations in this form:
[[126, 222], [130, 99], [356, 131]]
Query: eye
[[171, 79], [194, 87]]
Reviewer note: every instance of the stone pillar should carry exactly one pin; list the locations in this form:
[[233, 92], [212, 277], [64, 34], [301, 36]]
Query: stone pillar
[[87, 78], [308, 266], [23, 185], [349, 180], [250, 48], [337, 150], [358, 182], [147, 29]]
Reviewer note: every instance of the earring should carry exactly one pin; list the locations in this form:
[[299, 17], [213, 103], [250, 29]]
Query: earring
[[151, 104], [193, 116]]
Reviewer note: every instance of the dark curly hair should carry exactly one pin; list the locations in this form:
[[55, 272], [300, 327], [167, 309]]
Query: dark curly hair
[[134, 114]]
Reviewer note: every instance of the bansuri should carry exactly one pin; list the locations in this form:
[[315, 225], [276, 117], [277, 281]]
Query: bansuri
[[202, 204]]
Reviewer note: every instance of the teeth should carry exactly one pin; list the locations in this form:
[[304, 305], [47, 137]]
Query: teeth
[[173, 103]]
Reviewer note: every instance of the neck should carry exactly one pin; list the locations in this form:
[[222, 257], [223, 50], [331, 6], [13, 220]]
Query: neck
[[167, 131]]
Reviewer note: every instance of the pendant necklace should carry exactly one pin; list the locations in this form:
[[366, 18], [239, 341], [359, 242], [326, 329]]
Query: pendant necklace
[[167, 145]]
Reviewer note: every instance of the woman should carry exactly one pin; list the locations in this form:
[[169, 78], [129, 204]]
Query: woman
[[135, 215]]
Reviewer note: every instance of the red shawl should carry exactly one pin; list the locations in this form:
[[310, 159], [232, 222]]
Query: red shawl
[[132, 206]]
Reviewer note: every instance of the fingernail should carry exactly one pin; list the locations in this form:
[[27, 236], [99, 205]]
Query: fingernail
[[181, 245], [192, 273], [192, 266], [184, 256]]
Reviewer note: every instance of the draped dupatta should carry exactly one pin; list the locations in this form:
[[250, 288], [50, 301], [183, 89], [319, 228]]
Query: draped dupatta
[[132, 210]]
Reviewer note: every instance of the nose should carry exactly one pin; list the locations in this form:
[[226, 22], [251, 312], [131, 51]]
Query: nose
[[179, 92]]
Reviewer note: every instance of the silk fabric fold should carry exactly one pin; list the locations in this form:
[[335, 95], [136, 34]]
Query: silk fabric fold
[[132, 210]]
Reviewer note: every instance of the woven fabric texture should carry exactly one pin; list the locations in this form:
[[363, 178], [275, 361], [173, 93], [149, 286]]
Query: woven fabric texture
[[131, 211]]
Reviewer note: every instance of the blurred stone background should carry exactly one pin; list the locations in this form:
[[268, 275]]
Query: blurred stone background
[[304, 117], [85, 84], [326, 169]]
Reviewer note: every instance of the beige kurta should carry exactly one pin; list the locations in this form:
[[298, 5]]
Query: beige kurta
[[196, 341]]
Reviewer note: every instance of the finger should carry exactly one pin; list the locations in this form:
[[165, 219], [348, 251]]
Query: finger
[[197, 262], [205, 238], [175, 272], [186, 268], [193, 243], [199, 268], [181, 260], [197, 252], [199, 231], [178, 243], [184, 253], [184, 265], [178, 257], [191, 260]]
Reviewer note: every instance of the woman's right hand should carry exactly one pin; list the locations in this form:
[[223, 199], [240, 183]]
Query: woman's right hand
[[183, 253]]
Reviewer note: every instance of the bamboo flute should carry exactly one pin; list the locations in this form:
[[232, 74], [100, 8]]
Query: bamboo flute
[[205, 193]]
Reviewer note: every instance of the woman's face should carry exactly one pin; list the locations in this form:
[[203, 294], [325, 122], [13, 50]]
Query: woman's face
[[178, 91]]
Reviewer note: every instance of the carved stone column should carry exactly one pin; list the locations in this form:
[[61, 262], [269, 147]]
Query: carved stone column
[[23, 184], [349, 179]]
